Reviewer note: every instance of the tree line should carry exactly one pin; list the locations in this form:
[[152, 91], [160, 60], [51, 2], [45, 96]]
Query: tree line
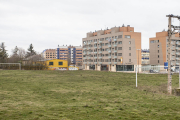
[[18, 54]]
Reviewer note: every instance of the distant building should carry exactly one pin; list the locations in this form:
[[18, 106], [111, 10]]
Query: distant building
[[159, 49], [145, 57], [115, 49], [73, 54], [49, 54]]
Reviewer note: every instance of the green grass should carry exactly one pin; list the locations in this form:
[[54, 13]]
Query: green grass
[[86, 95]]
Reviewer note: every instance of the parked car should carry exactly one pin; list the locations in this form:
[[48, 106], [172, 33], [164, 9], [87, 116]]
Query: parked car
[[153, 71]]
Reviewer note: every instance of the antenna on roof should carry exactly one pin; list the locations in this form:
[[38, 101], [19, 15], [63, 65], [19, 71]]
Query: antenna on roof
[[107, 28], [123, 25], [58, 45]]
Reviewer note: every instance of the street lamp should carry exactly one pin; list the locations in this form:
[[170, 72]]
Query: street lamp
[[138, 59]]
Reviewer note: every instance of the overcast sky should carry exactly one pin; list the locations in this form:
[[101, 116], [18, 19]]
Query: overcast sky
[[49, 23]]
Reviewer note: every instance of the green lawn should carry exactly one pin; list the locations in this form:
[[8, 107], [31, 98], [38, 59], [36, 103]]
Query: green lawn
[[85, 95]]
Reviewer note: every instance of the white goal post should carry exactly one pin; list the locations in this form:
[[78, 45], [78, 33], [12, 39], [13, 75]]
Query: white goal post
[[12, 64]]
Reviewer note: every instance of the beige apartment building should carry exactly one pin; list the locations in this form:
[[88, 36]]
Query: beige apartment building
[[159, 49], [115, 49], [49, 54]]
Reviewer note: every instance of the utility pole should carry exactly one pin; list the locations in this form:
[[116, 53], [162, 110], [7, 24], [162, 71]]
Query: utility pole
[[170, 33], [138, 59]]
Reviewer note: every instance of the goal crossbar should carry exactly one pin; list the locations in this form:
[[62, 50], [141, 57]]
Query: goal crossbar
[[12, 64]]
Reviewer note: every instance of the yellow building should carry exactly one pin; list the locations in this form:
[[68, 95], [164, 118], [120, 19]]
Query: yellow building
[[57, 64]]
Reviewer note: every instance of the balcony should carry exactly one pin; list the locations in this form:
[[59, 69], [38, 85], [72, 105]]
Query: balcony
[[95, 42], [95, 52], [115, 45], [177, 63], [115, 56], [89, 43], [177, 58], [89, 57], [115, 39], [172, 52], [109, 51], [109, 63], [95, 57], [109, 45], [95, 62], [115, 62], [84, 62], [172, 47], [177, 42], [100, 46], [95, 46], [100, 41], [109, 57], [85, 48], [177, 47], [115, 50], [100, 57], [84, 57], [88, 48], [99, 51]]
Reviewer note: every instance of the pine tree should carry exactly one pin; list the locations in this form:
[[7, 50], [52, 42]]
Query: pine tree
[[3, 53], [30, 51], [15, 51]]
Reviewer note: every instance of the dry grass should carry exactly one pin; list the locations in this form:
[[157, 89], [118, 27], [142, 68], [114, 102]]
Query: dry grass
[[85, 95]]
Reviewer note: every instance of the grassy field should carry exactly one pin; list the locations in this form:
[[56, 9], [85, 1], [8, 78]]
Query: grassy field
[[85, 95]]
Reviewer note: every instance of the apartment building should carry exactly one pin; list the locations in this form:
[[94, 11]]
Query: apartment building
[[71, 53], [144, 57], [159, 49], [49, 54], [114, 49]]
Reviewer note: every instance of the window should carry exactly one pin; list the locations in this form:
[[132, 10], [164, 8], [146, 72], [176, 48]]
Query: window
[[158, 56], [119, 36], [119, 54], [119, 48], [158, 61], [129, 54], [127, 36], [60, 63], [158, 51], [129, 48], [50, 63], [129, 60], [115, 37], [158, 46], [120, 42], [129, 42]]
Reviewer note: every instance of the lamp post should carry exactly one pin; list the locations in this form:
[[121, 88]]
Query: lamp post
[[138, 59]]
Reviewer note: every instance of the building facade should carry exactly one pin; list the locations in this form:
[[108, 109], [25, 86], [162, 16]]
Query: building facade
[[115, 49], [73, 54], [144, 57], [49, 54], [159, 49]]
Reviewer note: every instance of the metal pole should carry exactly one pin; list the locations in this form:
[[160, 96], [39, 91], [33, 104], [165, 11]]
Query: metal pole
[[179, 76], [19, 66], [136, 76], [169, 58]]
